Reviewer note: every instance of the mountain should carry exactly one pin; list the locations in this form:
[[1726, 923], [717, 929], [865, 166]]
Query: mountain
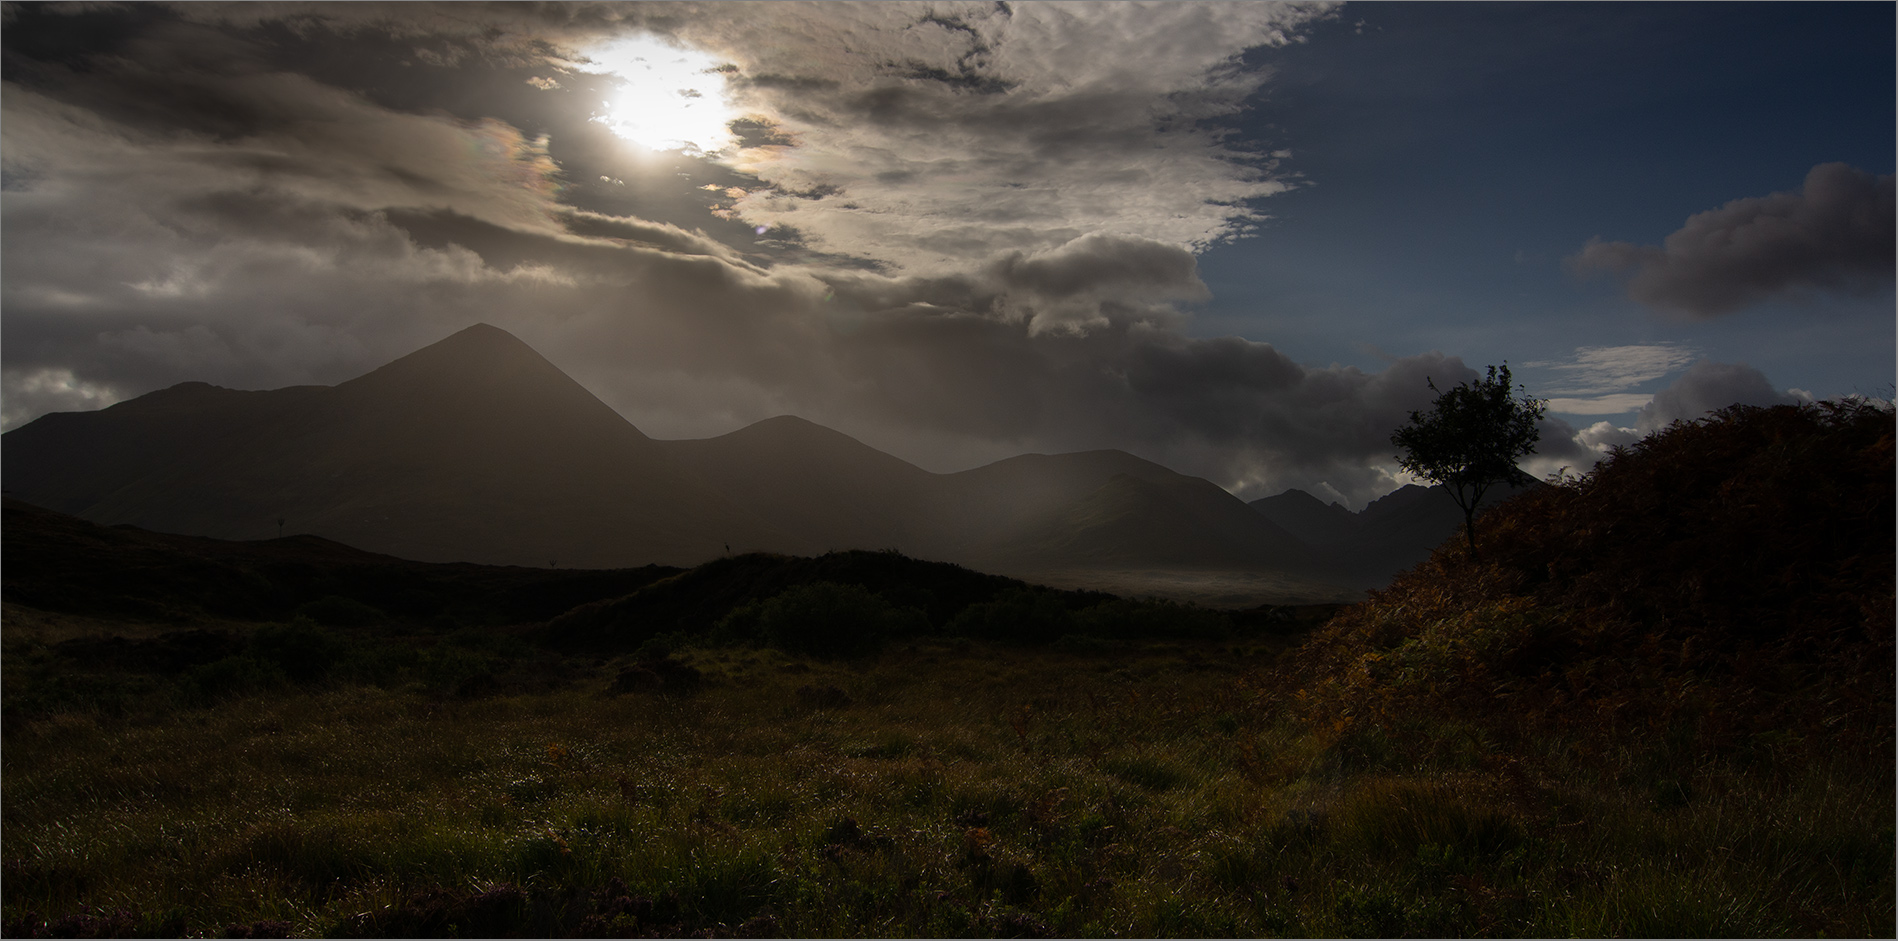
[[477, 449], [1391, 534], [831, 489], [57, 563], [474, 449], [1024, 515], [1173, 521], [1309, 518]]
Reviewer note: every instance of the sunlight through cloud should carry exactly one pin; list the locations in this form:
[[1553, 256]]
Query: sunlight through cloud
[[670, 99]]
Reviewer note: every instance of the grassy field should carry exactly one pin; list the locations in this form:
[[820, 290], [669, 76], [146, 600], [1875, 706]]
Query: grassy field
[[1658, 703], [948, 789]]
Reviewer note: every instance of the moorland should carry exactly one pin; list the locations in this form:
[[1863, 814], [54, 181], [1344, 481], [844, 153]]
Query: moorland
[[1657, 702]]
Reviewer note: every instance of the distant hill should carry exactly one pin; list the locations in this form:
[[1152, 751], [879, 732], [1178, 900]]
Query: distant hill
[[1172, 521], [693, 601], [1027, 516], [831, 489], [1391, 534], [1309, 518], [477, 449], [62, 564]]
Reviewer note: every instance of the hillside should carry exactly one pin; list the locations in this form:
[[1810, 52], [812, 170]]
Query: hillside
[[474, 449], [1172, 521], [832, 490], [477, 449], [1393, 533], [1658, 704], [57, 564], [1716, 582]]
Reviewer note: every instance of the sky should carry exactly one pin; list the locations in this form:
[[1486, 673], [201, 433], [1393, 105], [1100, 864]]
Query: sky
[[1239, 239]]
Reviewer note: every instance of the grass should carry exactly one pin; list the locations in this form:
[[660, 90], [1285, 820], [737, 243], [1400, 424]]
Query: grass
[[952, 789]]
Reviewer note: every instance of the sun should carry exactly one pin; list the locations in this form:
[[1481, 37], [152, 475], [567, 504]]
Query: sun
[[670, 98]]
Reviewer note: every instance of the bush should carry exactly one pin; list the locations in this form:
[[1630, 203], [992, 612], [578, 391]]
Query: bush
[[454, 670], [1730, 576], [822, 619], [1020, 615], [1127, 619], [301, 650], [337, 611], [233, 676]]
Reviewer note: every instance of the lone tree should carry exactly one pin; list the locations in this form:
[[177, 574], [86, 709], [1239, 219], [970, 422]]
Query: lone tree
[[1470, 440]]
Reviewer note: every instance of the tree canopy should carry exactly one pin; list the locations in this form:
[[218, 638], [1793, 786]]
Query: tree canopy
[[1470, 440]]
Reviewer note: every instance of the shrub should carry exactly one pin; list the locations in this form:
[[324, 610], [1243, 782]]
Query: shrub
[[233, 676], [337, 611], [822, 619], [1020, 615], [454, 670], [1730, 576], [303, 651], [1127, 619]]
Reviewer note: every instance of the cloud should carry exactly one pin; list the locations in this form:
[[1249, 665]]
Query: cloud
[[1835, 234], [920, 136], [1605, 436], [1023, 226], [1615, 404], [936, 135], [28, 394], [1705, 387], [1595, 381], [1605, 369]]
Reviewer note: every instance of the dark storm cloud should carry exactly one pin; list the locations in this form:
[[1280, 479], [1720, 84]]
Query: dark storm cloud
[[1236, 411], [1835, 234], [1099, 263], [1706, 387]]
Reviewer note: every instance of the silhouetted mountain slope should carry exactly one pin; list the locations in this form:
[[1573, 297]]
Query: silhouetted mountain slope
[[1716, 581], [825, 486], [695, 600], [989, 500], [1022, 515], [59, 563], [1308, 518], [1128, 521], [473, 449], [1391, 534], [478, 449]]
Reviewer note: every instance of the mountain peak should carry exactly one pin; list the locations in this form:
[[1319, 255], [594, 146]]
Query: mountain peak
[[481, 356], [481, 345]]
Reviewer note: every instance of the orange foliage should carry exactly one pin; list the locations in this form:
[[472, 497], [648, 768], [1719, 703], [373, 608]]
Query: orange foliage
[[1732, 576]]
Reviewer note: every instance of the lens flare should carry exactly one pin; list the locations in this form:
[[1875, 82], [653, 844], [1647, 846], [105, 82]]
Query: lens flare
[[670, 98]]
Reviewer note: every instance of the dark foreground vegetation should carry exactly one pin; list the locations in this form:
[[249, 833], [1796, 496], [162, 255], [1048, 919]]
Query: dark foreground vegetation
[[1657, 703]]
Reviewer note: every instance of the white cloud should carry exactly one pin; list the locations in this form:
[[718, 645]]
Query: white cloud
[[1604, 436], [1604, 369], [1616, 404], [931, 136], [30, 393]]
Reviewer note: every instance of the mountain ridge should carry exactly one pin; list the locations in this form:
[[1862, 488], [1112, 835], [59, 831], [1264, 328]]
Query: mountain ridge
[[476, 448]]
